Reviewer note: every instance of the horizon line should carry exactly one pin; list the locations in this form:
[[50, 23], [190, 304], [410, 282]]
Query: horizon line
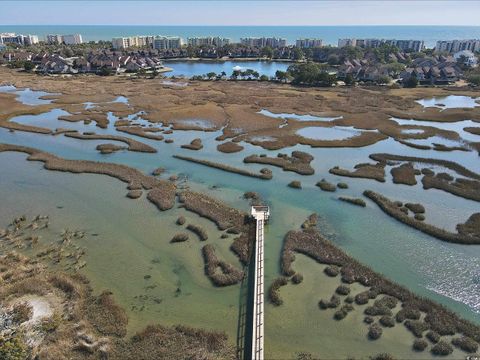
[[249, 25]]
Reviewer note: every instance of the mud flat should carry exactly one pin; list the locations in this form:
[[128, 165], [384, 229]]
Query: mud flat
[[298, 162], [229, 147], [228, 274], [366, 171], [195, 144], [445, 163], [464, 236], [147, 133], [109, 148], [354, 201], [133, 145], [436, 318], [404, 174], [265, 174]]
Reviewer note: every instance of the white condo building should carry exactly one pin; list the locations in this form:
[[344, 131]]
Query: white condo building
[[208, 41], [309, 43], [73, 39], [12, 38], [264, 41], [167, 42], [453, 46]]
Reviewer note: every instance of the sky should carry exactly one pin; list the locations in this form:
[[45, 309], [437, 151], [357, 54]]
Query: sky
[[233, 12]]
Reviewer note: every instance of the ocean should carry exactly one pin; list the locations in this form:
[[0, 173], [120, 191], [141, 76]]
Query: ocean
[[329, 34]]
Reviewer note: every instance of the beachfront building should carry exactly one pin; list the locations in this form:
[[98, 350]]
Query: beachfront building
[[12, 38], [133, 41], [167, 42], [208, 41], [403, 45], [309, 43], [453, 46], [263, 42], [73, 39]]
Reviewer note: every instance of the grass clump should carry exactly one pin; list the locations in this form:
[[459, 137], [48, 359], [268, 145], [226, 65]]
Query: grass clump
[[342, 290], [13, 347], [181, 220], [179, 238], [326, 186], [295, 184], [354, 201], [297, 278], [433, 336], [442, 348], [21, 312], [374, 332], [274, 291], [387, 321], [407, 313], [332, 270], [417, 327], [342, 185], [343, 312], [199, 231], [419, 345], [466, 344]]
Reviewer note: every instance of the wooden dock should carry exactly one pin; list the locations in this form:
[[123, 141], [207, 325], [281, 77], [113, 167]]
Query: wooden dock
[[261, 215]]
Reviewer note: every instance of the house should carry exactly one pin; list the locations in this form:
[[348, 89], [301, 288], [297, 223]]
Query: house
[[466, 57]]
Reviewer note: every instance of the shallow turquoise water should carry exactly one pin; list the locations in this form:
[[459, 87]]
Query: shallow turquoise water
[[427, 266]]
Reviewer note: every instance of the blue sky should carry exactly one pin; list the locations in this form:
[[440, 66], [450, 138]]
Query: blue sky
[[198, 12]]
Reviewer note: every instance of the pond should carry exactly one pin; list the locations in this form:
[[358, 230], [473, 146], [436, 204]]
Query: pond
[[323, 133], [27, 96], [191, 68], [297, 117], [450, 102]]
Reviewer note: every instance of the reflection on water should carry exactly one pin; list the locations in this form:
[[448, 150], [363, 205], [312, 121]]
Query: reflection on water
[[457, 126], [27, 96], [450, 102], [296, 116], [323, 133]]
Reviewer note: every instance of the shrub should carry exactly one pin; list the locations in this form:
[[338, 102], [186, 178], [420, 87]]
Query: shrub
[[387, 321], [21, 312], [13, 347], [368, 320], [419, 345], [334, 301], [342, 185], [297, 278], [339, 314], [343, 290], [416, 327], [377, 310], [407, 313], [387, 301], [442, 348], [433, 337], [181, 220], [179, 238], [332, 270], [374, 332], [199, 231], [295, 184], [362, 298], [349, 299], [382, 356], [274, 292], [466, 344]]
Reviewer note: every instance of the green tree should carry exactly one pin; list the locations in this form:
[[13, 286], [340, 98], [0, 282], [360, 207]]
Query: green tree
[[281, 75], [298, 53], [264, 78], [211, 75], [235, 74], [311, 74], [104, 71], [28, 66], [267, 52], [411, 82], [349, 80], [474, 79], [383, 80]]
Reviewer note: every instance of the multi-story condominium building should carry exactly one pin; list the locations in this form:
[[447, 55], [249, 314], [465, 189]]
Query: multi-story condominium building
[[133, 41], [264, 41], [167, 42], [404, 45], [453, 46], [12, 38], [347, 42], [208, 41], [54, 39], [73, 39], [309, 43]]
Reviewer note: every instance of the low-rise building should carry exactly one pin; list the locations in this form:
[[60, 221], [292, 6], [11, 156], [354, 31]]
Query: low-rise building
[[466, 57], [309, 43]]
